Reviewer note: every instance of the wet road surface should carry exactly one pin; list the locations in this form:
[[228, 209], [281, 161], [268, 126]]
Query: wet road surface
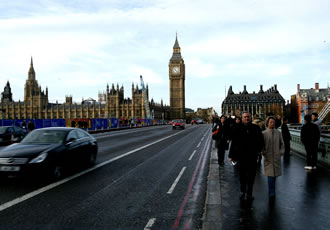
[[302, 199], [152, 178]]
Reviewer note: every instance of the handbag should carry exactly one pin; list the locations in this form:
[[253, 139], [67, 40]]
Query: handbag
[[214, 134]]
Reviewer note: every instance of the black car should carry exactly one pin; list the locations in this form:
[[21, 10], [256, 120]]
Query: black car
[[11, 134], [50, 152]]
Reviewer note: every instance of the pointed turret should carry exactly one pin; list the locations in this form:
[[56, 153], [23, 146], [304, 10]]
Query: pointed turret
[[32, 74], [6, 95], [245, 91], [261, 90], [230, 90], [176, 50], [176, 44]]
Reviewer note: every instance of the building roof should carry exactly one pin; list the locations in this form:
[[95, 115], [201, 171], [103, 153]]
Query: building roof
[[176, 54], [313, 95], [271, 95], [176, 57]]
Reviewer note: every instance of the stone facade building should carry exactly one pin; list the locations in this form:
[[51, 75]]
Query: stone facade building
[[207, 114], [262, 103], [37, 106], [308, 101], [111, 103]]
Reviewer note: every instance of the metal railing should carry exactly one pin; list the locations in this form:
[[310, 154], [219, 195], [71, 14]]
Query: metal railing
[[324, 112], [324, 146]]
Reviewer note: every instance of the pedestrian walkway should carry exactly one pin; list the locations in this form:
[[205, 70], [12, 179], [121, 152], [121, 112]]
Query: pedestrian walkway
[[302, 198]]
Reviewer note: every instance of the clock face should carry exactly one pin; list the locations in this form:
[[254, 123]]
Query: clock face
[[176, 70]]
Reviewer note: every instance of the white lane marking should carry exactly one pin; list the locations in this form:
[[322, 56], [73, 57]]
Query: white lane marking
[[202, 138], [120, 132], [199, 144], [192, 155], [53, 185], [149, 224], [176, 181]]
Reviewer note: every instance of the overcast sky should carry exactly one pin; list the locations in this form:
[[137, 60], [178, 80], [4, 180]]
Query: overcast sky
[[79, 46]]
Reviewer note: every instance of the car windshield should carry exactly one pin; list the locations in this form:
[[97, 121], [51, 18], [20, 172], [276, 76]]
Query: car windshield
[[44, 137], [3, 130], [178, 121]]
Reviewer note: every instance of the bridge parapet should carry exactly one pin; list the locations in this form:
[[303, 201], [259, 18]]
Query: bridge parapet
[[324, 146]]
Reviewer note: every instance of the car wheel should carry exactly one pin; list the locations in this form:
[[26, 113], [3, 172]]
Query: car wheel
[[91, 160], [173, 128]]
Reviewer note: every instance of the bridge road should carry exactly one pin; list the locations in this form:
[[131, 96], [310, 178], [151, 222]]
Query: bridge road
[[302, 199], [151, 178]]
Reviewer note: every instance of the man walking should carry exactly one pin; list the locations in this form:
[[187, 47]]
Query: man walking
[[286, 137], [278, 121], [316, 121], [247, 143], [310, 137]]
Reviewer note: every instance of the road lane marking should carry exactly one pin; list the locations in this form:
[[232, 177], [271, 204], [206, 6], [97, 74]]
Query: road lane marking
[[202, 138], [120, 132], [176, 181], [192, 155], [149, 224], [199, 144], [181, 211], [53, 185], [187, 225]]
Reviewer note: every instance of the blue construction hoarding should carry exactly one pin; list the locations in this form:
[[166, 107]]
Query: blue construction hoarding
[[89, 124]]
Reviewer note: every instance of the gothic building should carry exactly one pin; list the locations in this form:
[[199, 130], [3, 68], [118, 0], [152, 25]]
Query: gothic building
[[177, 82], [37, 106], [111, 104], [7, 96], [262, 103]]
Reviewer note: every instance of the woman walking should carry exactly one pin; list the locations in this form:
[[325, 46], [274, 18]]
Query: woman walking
[[273, 150]]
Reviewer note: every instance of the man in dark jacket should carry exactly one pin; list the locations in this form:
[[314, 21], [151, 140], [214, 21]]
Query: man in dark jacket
[[278, 121], [316, 121], [247, 143], [286, 137], [310, 137], [30, 126]]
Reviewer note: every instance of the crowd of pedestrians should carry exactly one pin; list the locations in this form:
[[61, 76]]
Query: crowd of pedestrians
[[252, 140]]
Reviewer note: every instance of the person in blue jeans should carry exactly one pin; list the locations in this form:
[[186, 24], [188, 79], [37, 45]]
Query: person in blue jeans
[[274, 148]]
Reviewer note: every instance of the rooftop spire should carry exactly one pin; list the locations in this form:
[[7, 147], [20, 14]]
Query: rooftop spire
[[230, 90], [176, 44], [31, 71], [176, 50]]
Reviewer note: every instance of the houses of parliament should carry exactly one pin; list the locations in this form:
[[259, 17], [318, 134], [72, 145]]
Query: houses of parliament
[[111, 103]]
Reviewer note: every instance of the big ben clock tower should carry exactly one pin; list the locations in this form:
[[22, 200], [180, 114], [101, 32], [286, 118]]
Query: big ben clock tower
[[177, 84]]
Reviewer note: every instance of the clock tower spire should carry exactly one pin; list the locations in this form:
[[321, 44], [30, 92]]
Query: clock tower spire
[[177, 82]]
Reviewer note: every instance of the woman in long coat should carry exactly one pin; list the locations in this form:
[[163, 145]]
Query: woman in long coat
[[273, 150]]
